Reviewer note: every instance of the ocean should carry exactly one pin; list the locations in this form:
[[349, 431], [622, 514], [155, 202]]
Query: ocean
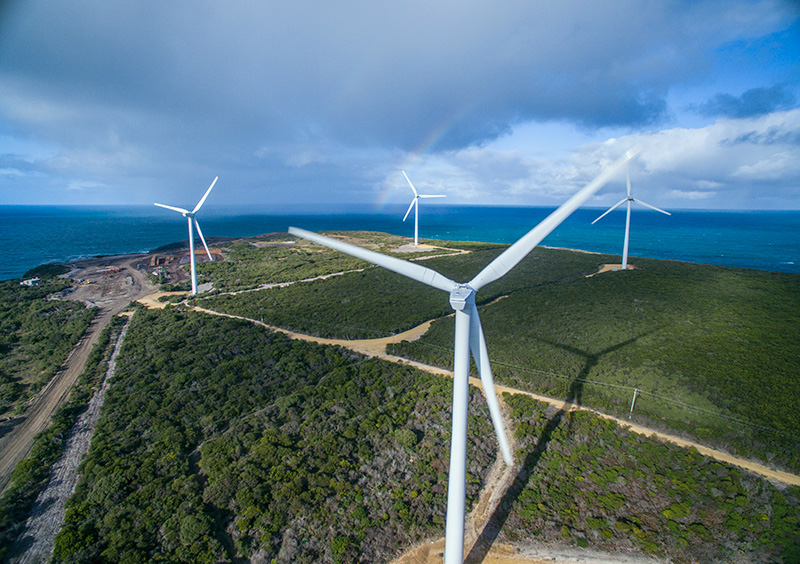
[[764, 240]]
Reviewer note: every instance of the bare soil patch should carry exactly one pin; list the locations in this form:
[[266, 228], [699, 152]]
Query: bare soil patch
[[609, 268]]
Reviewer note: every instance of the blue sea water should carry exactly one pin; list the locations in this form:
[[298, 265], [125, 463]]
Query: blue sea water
[[765, 240]]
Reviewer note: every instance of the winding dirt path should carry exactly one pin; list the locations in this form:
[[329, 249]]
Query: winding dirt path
[[17, 443]]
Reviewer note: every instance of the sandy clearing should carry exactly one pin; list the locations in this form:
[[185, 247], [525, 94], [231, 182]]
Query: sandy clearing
[[152, 301], [609, 268]]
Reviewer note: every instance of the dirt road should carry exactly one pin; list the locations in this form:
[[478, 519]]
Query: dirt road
[[47, 515], [113, 295]]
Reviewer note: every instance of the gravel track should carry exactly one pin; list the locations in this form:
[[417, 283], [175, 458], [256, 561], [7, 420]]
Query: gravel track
[[47, 516]]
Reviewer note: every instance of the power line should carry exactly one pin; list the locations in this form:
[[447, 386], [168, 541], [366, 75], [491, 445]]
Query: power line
[[640, 392]]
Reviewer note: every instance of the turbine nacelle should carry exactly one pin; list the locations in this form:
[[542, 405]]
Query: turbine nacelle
[[462, 297]]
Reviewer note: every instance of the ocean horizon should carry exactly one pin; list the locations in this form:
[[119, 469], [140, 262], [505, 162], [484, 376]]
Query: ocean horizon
[[763, 240]]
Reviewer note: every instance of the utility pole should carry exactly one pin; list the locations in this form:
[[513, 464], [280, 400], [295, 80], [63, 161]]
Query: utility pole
[[633, 402]]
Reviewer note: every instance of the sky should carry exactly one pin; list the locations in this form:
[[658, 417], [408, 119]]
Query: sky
[[313, 102]]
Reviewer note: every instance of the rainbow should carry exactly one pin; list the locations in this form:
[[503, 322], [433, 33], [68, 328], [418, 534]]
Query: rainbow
[[395, 182]]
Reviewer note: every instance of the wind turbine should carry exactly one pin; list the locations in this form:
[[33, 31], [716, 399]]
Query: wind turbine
[[469, 338], [189, 215], [415, 205], [629, 200]]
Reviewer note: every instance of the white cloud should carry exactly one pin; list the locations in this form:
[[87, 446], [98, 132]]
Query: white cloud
[[708, 163], [81, 185], [688, 195], [773, 167]]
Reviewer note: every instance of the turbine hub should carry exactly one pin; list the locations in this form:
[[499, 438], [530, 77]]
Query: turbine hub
[[461, 297]]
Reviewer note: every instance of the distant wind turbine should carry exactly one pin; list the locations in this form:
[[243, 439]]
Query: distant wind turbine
[[189, 215], [629, 199], [469, 338], [415, 205]]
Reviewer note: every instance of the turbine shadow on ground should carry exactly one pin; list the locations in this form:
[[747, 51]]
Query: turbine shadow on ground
[[496, 521], [575, 393]]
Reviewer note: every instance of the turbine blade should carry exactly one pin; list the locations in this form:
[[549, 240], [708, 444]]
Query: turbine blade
[[203, 240], [414, 201], [173, 208], [609, 210], [511, 256], [641, 203], [407, 269], [628, 179], [432, 196], [477, 344], [203, 199], [409, 183]]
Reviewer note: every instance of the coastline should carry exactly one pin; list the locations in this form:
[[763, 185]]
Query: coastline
[[755, 240]]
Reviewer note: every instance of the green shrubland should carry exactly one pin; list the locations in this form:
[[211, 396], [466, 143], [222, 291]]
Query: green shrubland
[[249, 266], [585, 481], [30, 477], [36, 335], [376, 303], [714, 350], [274, 258], [220, 440]]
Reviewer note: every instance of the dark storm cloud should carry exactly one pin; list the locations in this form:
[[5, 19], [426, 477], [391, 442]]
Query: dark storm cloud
[[363, 73], [754, 102], [773, 136], [148, 96]]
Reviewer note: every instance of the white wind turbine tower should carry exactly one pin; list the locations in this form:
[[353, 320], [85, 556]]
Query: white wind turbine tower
[[415, 205], [629, 200], [189, 215], [469, 338]]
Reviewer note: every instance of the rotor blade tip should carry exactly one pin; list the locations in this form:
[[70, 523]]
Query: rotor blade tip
[[633, 152]]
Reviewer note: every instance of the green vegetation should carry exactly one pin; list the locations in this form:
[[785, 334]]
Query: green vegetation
[[220, 440], [47, 271], [275, 258], [248, 265], [36, 335], [713, 350], [723, 341], [338, 306], [588, 482], [376, 303], [31, 475]]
